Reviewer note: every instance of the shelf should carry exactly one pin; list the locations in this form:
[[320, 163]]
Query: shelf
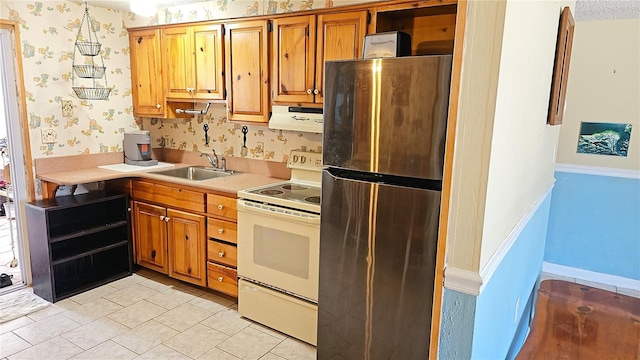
[[89, 252], [90, 231], [78, 243]]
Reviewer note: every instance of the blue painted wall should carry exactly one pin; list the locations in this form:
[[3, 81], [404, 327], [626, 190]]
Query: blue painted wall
[[517, 275], [492, 315], [594, 224]]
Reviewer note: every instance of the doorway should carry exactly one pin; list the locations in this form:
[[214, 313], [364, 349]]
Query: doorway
[[16, 186]]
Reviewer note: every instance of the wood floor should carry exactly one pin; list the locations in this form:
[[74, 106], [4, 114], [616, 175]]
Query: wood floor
[[574, 321]]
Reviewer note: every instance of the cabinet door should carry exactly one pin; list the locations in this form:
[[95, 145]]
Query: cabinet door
[[187, 246], [146, 74], [247, 75], [177, 62], [340, 37], [293, 52], [208, 66], [150, 236]]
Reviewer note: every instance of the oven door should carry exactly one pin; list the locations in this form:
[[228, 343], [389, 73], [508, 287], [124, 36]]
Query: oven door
[[279, 247]]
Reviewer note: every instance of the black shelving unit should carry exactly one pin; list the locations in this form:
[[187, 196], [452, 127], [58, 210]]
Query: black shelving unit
[[78, 242]]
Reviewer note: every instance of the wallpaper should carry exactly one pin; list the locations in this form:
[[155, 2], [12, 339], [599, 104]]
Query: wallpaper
[[48, 32]]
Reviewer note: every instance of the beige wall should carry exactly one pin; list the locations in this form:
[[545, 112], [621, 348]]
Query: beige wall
[[504, 157], [478, 87], [604, 86], [523, 145]]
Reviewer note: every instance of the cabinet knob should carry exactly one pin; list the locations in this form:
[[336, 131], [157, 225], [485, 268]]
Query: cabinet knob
[[221, 254], [220, 207], [316, 91], [158, 106], [153, 254], [309, 91], [161, 217], [220, 231], [220, 278], [166, 219]]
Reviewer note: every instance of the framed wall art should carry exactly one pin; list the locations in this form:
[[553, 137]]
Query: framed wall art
[[561, 68]]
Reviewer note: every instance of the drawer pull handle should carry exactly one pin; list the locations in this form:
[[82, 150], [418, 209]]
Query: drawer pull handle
[[220, 231], [220, 278], [221, 254], [220, 207]]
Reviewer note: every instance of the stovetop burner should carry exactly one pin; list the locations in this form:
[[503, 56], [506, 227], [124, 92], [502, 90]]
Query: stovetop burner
[[294, 187], [290, 194], [313, 199], [271, 192]]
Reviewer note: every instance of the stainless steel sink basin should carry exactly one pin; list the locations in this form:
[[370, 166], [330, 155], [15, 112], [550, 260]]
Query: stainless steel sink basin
[[196, 173]]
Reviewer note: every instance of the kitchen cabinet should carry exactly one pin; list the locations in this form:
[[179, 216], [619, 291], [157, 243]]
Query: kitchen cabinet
[[168, 237], [301, 45], [432, 28], [192, 61], [78, 243], [222, 254], [247, 71], [146, 73]]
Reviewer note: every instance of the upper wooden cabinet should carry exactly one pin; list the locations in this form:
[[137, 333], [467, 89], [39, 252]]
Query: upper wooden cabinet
[[247, 74], [192, 62], [146, 73], [301, 45]]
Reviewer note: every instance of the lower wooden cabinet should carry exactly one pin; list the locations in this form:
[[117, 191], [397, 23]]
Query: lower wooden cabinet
[[223, 279], [171, 241], [187, 234], [150, 236], [187, 246]]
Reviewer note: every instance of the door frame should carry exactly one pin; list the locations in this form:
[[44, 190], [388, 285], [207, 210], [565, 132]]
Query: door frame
[[20, 161]]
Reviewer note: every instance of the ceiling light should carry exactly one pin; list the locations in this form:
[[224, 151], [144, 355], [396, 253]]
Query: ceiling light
[[146, 8]]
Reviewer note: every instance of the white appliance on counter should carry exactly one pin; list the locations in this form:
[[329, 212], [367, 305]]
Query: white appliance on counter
[[278, 250], [296, 118]]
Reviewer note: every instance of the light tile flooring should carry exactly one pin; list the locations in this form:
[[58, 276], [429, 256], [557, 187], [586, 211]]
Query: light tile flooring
[[612, 288], [145, 316]]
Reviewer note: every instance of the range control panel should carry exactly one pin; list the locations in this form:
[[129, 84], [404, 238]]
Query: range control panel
[[305, 160]]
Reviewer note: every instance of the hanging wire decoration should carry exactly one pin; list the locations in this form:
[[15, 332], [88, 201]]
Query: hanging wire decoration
[[89, 47]]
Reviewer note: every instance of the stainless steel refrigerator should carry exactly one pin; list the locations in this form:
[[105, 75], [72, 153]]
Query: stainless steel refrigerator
[[383, 150]]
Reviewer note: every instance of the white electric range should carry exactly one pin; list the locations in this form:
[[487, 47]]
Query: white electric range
[[279, 248]]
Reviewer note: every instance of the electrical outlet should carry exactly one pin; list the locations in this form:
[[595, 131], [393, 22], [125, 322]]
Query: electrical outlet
[[67, 108], [49, 136], [515, 317]]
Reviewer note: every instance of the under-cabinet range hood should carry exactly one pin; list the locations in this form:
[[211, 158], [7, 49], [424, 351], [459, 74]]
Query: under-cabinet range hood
[[295, 118]]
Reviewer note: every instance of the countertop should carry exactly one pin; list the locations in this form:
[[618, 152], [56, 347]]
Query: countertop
[[229, 184]]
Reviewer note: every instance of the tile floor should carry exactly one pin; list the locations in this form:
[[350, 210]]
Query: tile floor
[[612, 288], [145, 316]]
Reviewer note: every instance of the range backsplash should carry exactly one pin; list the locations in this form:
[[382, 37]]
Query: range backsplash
[[226, 137]]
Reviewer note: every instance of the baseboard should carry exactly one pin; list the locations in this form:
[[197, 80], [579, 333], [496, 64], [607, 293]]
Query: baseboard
[[599, 171], [612, 280]]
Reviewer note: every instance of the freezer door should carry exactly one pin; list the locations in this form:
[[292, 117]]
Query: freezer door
[[387, 115], [377, 263]]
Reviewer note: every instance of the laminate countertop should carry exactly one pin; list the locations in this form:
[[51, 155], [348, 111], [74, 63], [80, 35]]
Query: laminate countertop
[[228, 184]]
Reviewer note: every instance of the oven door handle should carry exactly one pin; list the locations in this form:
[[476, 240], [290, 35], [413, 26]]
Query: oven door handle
[[278, 212]]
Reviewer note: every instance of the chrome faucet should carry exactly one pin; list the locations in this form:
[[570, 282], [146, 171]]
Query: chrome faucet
[[213, 161]]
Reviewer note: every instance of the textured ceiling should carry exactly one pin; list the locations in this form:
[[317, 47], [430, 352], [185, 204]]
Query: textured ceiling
[[585, 10], [590, 10]]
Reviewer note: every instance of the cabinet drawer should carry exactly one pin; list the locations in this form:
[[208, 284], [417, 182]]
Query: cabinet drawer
[[222, 253], [170, 196], [222, 279], [222, 206], [222, 230]]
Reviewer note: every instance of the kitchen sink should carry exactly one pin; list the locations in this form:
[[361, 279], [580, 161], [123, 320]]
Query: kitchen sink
[[196, 173]]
